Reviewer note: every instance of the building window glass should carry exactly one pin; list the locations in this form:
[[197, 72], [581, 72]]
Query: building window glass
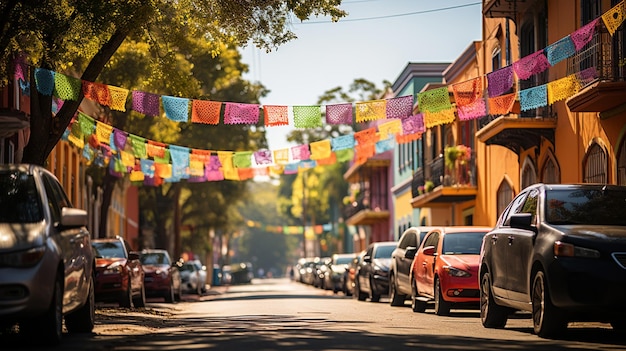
[[505, 195], [621, 163], [595, 165], [550, 174], [529, 175]]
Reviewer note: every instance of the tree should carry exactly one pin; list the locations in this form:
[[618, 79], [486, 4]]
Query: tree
[[59, 35], [319, 192]]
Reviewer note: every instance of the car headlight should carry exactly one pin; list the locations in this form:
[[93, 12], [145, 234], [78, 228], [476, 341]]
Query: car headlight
[[568, 250], [114, 268], [455, 272], [22, 259]]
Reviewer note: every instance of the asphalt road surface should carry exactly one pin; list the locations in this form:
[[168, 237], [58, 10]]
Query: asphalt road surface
[[277, 314]]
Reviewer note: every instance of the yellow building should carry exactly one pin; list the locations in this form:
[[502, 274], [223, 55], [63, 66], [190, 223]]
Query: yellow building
[[573, 139]]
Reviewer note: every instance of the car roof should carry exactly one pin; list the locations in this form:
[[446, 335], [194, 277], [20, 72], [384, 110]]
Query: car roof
[[465, 229]]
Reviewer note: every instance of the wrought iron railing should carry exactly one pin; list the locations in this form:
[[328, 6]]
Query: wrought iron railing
[[602, 59], [462, 174]]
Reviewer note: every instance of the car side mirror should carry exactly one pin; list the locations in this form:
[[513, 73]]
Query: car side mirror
[[429, 251], [367, 259], [410, 252], [522, 221], [133, 255]]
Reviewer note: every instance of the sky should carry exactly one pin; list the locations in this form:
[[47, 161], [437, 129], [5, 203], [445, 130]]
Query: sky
[[375, 42]]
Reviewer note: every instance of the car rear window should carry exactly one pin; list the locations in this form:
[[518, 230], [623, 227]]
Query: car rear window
[[154, 258], [595, 206], [19, 199]]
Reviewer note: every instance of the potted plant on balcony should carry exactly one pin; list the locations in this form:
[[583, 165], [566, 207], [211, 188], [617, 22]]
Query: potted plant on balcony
[[429, 185]]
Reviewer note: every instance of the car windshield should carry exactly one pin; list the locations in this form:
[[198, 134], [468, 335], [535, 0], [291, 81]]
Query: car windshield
[[19, 200], [154, 258], [462, 243], [384, 251], [596, 206], [343, 260], [109, 249]]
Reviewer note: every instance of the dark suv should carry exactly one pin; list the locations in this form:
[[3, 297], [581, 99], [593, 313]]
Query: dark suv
[[401, 261], [558, 251], [372, 277]]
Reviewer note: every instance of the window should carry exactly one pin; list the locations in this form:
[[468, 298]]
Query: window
[[550, 174], [516, 207], [505, 195], [432, 240], [529, 175], [621, 163], [595, 166]]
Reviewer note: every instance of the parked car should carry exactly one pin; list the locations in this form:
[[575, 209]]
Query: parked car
[[46, 259], [119, 273], [350, 276], [321, 266], [193, 276], [162, 277], [308, 270], [372, 277], [445, 269], [401, 262], [335, 271], [559, 252]]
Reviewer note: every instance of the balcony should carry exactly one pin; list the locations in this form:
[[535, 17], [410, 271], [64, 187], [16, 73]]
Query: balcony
[[516, 133], [603, 89], [444, 185], [367, 209], [505, 8]]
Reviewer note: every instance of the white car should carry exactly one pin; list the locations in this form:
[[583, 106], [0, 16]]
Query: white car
[[193, 276]]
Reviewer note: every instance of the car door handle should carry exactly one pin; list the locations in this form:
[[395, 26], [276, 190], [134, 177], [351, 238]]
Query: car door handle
[[510, 237], [494, 238]]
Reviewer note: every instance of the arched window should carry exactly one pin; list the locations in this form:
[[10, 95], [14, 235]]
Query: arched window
[[595, 166], [505, 195], [529, 174], [550, 173], [621, 163]]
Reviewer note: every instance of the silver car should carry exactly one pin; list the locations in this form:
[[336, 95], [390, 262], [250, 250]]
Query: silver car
[[46, 259]]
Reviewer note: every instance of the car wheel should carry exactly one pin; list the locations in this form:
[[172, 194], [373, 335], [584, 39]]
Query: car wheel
[[492, 315], [361, 296], [375, 294], [169, 294], [395, 298], [547, 319], [126, 300], [83, 319], [416, 305], [442, 307], [140, 301]]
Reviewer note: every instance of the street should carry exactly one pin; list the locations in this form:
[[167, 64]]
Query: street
[[277, 314]]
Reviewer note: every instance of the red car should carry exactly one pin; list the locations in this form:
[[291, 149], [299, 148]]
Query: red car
[[162, 277], [445, 269], [119, 273]]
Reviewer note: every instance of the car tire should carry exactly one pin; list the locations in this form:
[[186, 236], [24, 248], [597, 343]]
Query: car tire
[[140, 301], [442, 307], [375, 294], [169, 294], [395, 299], [361, 296], [548, 321], [416, 305], [126, 299], [83, 319], [492, 315], [48, 329]]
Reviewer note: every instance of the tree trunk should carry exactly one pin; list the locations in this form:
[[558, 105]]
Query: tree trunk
[[46, 131]]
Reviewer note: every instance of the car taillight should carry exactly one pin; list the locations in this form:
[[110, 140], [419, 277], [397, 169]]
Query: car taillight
[[27, 258], [562, 249]]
